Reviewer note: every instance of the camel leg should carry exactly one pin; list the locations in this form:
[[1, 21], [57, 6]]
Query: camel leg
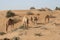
[[6, 27], [26, 25], [45, 20], [48, 20], [12, 27]]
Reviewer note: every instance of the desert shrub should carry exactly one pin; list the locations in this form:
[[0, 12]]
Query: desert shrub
[[57, 8], [49, 9], [23, 27], [30, 13], [41, 9], [10, 14], [52, 16], [16, 38], [38, 34], [2, 33], [38, 14], [44, 28], [6, 39], [32, 8]]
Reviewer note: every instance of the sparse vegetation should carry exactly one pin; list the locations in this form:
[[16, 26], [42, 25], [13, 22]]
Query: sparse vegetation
[[57, 24], [49, 9], [2, 33], [52, 16], [57, 8], [32, 8], [10, 14], [44, 28], [16, 38], [40, 24], [30, 13], [41, 9], [38, 34], [23, 27], [38, 14], [6, 39]]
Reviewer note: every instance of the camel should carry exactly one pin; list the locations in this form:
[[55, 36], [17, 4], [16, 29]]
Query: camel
[[35, 20], [25, 22], [9, 23], [47, 18], [32, 19]]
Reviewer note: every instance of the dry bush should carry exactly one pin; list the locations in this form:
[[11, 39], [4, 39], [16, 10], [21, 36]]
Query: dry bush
[[44, 28], [51, 16], [32, 8], [38, 34], [30, 13], [49, 9], [15, 38], [6, 39], [10, 14], [57, 8], [41, 9], [23, 27], [2, 33]]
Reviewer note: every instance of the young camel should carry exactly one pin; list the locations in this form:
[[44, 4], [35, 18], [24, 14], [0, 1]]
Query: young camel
[[9, 23]]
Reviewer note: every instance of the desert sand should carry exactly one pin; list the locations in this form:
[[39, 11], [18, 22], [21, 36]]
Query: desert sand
[[43, 31]]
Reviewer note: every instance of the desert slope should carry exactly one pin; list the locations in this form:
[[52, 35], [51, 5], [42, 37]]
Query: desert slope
[[45, 31]]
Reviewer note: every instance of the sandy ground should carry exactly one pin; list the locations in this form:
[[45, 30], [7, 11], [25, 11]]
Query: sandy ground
[[45, 31]]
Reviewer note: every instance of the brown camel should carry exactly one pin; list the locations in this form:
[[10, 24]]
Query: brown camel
[[47, 18], [35, 20], [31, 19], [10, 23]]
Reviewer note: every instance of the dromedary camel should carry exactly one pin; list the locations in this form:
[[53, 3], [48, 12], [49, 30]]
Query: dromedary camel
[[9, 23], [25, 22], [47, 18], [35, 20]]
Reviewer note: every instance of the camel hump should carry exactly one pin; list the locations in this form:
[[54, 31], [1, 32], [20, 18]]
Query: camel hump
[[24, 18]]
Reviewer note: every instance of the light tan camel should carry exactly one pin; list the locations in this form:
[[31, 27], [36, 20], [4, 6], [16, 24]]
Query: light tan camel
[[25, 22]]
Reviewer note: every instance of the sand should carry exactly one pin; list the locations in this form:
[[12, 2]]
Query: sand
[[44, 31]]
